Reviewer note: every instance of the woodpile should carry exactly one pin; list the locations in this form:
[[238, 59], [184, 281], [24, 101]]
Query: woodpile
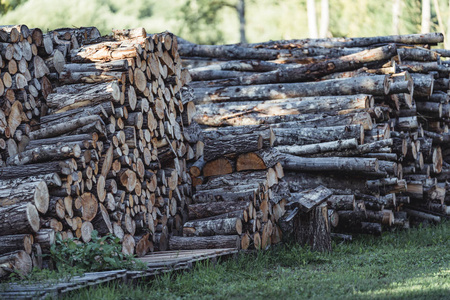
[[239, 194], [91, 138], [364, 118]]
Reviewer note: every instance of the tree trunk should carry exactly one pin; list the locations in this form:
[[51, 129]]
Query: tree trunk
[[313, 229], [426, 16], [396, 12], [312, 20], [324, 18], [241, 12]]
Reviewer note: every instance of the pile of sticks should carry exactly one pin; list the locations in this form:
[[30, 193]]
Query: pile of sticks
[[363, 117], [104, 148]]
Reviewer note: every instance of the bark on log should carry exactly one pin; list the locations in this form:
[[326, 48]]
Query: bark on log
[[337, 164], [19, 218], [230, 226], [18, 261], [311, 135], [20, 191], [204, 242], [373, 85], [10, 243], [313, 229]]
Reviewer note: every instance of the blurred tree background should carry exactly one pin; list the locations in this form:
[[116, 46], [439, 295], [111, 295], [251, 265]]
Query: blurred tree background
[[233, 21]]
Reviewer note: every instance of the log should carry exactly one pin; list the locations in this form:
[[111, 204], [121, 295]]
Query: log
[[336, 164], [314, 71], [318, 148], [22, 218], [18, 191], [17, 261], [428, 38], [204, 242], [259, 160], [312, 135], [10, 243], [373, 85], [211, 209], [229, 226], [289, 106], [45, 153], [79, 95]]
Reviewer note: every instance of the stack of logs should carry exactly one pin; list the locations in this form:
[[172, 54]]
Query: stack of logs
[[240, 194], [364, 117], [93, 139]]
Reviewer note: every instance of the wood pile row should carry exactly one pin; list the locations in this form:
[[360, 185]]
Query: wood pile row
[[366, 118], [102, 146]]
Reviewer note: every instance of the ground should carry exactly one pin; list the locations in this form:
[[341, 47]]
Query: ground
[[412, 264]]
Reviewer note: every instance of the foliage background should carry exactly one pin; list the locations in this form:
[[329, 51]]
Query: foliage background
[[215, 21]]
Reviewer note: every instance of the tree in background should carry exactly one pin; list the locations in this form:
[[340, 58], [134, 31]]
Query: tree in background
[[426, 16], [200, 16], [7, 5], [312, 21], [324, 18], [396, 12]]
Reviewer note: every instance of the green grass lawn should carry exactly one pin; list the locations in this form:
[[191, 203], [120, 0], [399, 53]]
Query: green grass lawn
[[412, 264]]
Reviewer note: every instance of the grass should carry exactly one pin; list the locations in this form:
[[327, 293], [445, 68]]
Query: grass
[[413, 264]]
